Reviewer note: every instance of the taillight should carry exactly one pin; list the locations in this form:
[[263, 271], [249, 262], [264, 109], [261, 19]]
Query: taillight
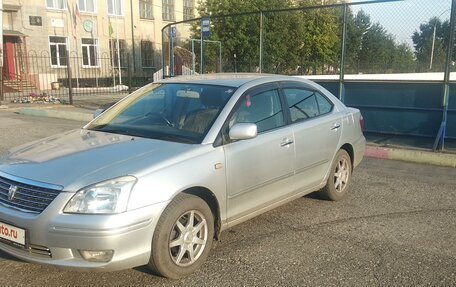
[[361, 122]]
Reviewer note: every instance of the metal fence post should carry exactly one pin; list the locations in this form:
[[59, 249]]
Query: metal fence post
[[132, 35], [193, 56], [1, 87], [261, 42], [439, 142], [70, 88], [342, 54], [220, 55], [171, 59], [202, 49], [163, 52], [129, 67]]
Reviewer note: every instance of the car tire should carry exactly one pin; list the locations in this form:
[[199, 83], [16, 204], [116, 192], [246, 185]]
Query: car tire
[[182, 238], [339, 178]]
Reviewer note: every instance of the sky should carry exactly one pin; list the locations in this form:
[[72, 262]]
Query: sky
[[402, 18]]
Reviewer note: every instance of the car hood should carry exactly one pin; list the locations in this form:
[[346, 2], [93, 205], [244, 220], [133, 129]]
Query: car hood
[[78, 158]]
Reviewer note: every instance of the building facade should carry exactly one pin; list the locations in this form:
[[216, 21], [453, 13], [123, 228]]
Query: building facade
[[91, 31]]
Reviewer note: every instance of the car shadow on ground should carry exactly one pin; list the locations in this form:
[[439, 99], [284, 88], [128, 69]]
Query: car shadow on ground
[[314, 195], [144, 269], [6, 256]]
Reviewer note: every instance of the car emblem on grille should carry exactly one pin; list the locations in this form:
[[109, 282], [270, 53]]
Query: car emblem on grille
[[12, 192]]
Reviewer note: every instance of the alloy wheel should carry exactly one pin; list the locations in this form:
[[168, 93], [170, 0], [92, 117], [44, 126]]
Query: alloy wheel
[[341, 175], [188, 238]]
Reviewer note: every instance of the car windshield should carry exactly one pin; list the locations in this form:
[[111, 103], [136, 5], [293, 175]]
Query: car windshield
[[173, 112]]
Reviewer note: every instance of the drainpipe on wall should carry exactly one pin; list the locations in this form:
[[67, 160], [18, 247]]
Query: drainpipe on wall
[[133, 36]]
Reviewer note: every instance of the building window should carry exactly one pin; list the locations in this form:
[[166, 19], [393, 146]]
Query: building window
[[122, 51], [189, 7], [56, 4], [58, 48], [147, 54], [89, 52], [168, 10], [145, 9], [115, 7], [87, 6]]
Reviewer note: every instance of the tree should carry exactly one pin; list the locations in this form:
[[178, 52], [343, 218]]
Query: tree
[[282, 41], [306, 41], [371, 49], [423, 43], [403, 59], [321, 42], [239, 34], [357, 27], [292, 39]]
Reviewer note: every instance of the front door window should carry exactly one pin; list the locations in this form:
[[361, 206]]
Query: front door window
[[263, 109]]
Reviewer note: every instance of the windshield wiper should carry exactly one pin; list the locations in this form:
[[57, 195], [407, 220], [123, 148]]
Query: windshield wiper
[[159, 136], [97, 128], [118, 131], [174, 138]]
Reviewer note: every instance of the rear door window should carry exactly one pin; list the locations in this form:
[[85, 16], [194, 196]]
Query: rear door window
[[306, 104]]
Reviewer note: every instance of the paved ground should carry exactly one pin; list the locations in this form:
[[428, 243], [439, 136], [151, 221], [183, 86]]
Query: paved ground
[[18, 129], [94, 102], [396, 228]]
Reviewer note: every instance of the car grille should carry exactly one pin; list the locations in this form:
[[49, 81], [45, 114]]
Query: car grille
[[39, 250], [28, 198], [31, 248]]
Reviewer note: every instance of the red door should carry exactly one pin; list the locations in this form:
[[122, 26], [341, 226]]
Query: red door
[[8, 59]]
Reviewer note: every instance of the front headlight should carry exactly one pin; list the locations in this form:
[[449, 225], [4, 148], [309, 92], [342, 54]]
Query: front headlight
[[106, 197]]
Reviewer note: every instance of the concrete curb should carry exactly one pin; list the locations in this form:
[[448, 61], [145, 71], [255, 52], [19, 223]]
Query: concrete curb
[[417, 156], [61, 114]]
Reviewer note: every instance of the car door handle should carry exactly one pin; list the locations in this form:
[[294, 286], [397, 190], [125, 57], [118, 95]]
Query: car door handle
[[286, 142], [335, 127]]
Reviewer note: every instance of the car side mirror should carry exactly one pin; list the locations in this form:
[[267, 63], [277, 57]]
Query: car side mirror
[[243, 131], [98, 112]]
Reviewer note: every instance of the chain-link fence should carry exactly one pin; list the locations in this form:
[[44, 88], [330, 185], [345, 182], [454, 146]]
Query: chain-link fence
[[376, 37], [251, 42]]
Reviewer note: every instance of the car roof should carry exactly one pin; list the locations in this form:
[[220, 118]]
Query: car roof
[[226, 79]]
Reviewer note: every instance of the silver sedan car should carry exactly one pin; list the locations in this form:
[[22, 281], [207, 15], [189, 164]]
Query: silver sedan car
[[158, 176]]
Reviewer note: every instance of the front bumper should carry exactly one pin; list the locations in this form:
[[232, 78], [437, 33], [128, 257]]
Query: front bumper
[[55, 238]]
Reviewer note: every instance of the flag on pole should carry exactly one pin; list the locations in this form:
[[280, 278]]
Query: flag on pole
[[76, 10], [75, 22], [72, 18], [110, 29]]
